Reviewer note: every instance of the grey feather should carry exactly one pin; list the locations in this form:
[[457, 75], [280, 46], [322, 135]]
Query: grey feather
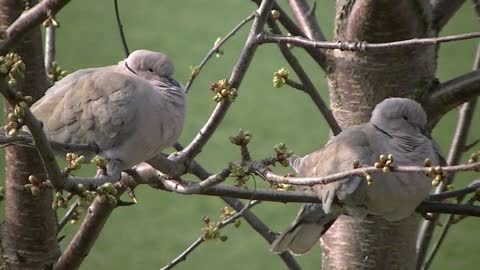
[[132, 110], [395, 128]]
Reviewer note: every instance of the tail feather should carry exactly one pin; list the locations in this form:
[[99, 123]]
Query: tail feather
[[305, 231]]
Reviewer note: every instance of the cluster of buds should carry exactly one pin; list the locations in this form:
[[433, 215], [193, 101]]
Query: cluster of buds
[[223, 90], [283, 187], [226, 213], [59, 201], [56, 73], [106, 193], [15, 118], [475, 157], [282, 154], [280, 77], [74, 161], [212, 231], [368, 177], [238, 172], [194, 70], [384, 162], [12, 68], [436, 173], [85, 197], [50, 21], [100, 162], [218, 52], [275, 14], [243, 138], [35, 185]]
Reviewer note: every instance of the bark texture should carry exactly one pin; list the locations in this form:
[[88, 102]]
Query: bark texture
[[357, 82], [29, 230]]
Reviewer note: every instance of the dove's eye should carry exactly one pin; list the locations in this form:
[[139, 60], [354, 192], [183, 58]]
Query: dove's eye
[[406, 118], [149, 70]]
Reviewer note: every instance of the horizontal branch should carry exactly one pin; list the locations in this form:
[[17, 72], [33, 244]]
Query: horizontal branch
[[28, 20], [310, 181], [144, 174], [451, 94], [361, 45]]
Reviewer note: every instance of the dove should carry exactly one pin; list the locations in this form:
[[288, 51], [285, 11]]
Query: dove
[[131, 111], [396, 127]]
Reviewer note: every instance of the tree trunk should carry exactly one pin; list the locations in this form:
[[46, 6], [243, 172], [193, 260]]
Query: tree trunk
[[357, 82], [29, 230]]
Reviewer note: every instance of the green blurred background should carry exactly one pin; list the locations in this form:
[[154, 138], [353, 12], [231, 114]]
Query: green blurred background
[[150, 234]]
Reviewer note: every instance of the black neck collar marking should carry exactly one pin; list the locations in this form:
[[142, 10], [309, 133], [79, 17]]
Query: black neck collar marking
[[131, 70], [383, 131]]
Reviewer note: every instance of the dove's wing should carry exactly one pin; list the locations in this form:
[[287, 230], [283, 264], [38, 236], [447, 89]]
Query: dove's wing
[[90, 107], [338, 156]]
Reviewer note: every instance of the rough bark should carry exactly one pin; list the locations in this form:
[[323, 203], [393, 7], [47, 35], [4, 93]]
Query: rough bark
[[29, 230], [359, 80]]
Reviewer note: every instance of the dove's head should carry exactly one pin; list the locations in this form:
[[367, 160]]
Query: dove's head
[[153, 66], [399, 115]]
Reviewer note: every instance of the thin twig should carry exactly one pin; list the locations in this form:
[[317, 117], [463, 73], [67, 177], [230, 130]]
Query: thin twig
[[30, 19], [362, 45], [239, 70], [49, 47], [474, 186], [295, 85], [215, 49], [310, 181], [252, 220], [306, 18], [201, 239], [68, 215], [307, 83], [120, 29], [317, 55]]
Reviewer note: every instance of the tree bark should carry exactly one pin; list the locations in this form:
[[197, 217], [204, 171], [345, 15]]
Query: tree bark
[[357, 82], [29, 231]]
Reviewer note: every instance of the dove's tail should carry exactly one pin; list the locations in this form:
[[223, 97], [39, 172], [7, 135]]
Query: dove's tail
[[311, 223]]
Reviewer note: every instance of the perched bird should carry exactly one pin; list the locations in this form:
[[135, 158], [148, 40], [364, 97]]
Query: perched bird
[[397, 127], [131, 111]]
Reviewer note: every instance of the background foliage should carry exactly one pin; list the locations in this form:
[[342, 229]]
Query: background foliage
[[151, 233]]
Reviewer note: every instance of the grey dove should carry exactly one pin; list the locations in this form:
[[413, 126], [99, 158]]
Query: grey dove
[[397, 127], [131, 111]]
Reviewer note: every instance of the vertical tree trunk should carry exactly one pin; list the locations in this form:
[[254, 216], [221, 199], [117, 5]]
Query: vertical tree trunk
[[357, 81], [29, 231]]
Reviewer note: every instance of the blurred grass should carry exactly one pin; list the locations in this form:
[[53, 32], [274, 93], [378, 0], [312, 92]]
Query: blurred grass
[[151, 233]]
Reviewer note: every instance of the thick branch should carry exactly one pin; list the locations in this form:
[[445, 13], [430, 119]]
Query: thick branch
[[239, 70], [306, 18], [451, 94], [443, 11], [28, 21], [318, 56], [43, 146]]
